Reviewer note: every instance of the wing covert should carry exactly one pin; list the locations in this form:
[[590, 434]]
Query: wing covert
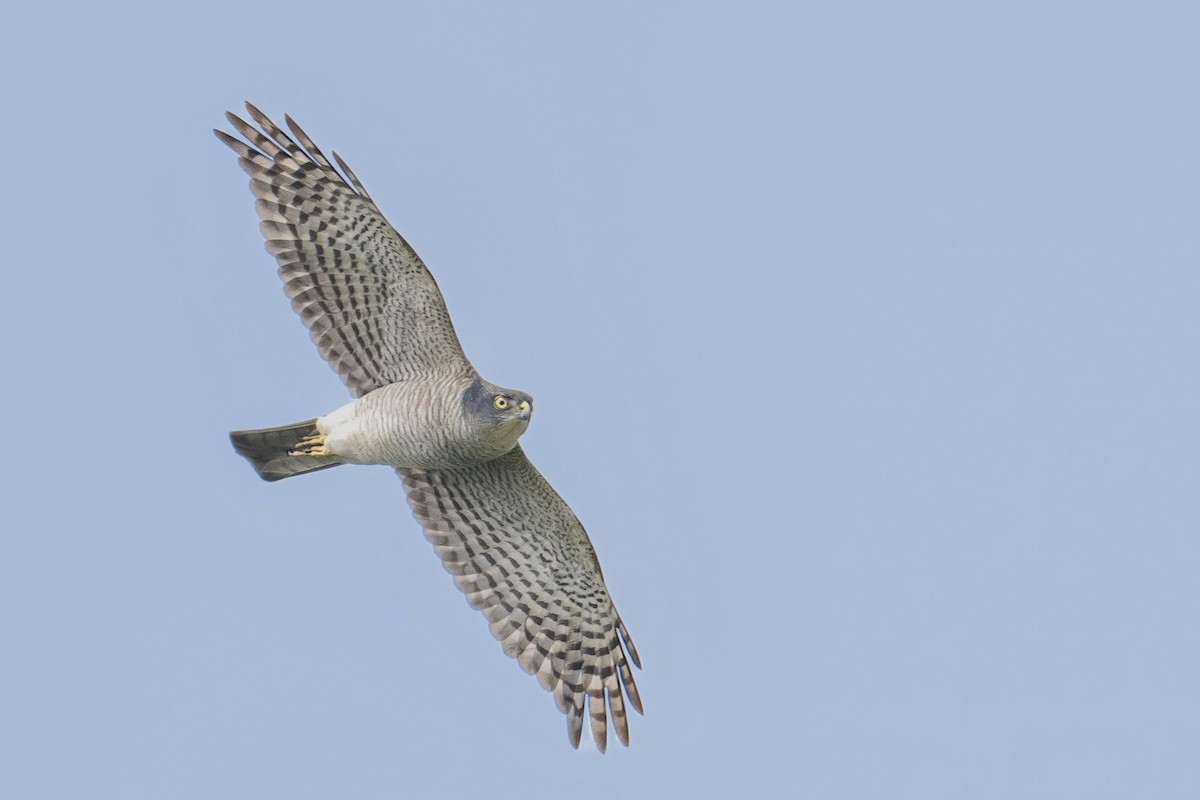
[[370, 304], [522, 557]]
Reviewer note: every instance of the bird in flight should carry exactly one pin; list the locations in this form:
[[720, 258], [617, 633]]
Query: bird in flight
[[513, 545]]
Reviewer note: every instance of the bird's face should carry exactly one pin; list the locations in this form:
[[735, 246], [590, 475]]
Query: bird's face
[[509, 405], [495, 412]]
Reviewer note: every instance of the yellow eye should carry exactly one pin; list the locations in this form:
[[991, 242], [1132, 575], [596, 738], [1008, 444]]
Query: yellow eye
[[524, 405], [500, 402]]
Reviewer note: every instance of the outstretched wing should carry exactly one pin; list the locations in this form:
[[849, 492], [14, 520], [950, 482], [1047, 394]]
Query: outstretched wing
[[371, 306], [521, 556]]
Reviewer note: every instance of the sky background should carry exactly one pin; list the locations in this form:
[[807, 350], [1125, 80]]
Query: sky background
[[864, 340]]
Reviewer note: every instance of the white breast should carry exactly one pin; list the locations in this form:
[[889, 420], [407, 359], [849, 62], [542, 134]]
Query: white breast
[[415, 424]]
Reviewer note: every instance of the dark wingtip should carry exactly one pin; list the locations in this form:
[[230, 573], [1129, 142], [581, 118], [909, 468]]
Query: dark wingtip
[[235, 144]]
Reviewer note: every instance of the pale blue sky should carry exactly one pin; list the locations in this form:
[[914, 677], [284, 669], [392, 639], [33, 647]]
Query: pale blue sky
[[864, 338]]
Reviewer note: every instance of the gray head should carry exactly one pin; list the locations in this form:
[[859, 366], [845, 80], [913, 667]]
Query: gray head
[[496, 414]]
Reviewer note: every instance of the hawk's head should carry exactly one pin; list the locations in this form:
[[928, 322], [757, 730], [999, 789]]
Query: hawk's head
[[497, 415]]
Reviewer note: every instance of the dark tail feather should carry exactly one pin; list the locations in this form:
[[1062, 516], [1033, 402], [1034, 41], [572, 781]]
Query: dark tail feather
[[269, 451]]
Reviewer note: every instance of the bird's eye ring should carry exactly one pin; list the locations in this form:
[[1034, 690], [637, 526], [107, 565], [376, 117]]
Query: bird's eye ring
[[500, 402]]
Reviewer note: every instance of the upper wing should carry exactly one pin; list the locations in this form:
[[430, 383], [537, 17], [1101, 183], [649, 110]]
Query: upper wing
[[371, 306], [523, 559]]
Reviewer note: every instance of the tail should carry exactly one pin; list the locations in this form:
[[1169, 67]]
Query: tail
[[269, 451]]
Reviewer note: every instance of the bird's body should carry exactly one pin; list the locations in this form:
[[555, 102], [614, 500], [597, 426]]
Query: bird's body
[[514, 547], [427, 422], [423, 422]]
